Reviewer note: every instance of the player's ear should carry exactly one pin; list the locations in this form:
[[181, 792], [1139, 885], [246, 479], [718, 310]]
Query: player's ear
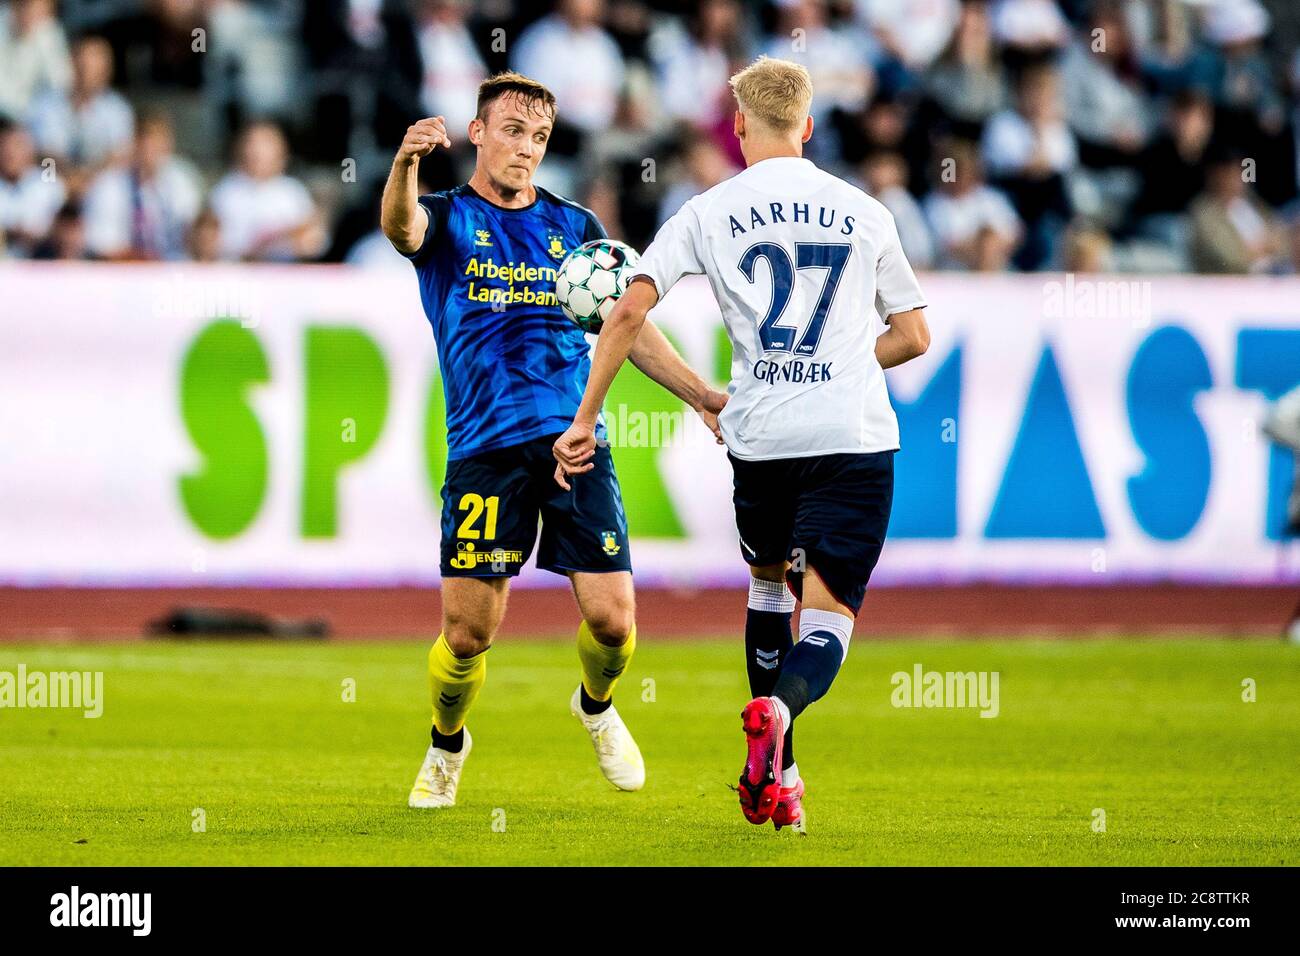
[[738, 125], [476, 129], [807, 130]]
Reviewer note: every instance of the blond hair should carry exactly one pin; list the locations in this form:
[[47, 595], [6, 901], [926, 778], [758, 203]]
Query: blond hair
[[777, 93]]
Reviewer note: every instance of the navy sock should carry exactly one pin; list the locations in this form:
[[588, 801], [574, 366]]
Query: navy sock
[[767, 643], [809, 670], [590, 706], [449, 742]]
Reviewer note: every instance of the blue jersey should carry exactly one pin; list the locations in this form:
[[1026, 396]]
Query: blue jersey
[[513, 366]]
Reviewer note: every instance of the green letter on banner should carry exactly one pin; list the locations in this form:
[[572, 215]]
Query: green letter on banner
[[435, 436], [650, 511], [223, 497], [346, 404]]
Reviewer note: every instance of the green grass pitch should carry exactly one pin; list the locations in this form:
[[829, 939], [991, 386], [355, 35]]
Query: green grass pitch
[[259, 738]]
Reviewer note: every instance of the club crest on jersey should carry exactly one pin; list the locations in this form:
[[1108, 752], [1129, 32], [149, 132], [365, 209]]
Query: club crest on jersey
[[556, 249], [482, 237], [609, 543]]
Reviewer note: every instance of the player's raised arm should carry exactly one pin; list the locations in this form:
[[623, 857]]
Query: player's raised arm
[[401, 218]]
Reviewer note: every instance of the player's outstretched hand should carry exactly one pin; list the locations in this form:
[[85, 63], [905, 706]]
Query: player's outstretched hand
[[423, 137], [714, 403], [573, 451]]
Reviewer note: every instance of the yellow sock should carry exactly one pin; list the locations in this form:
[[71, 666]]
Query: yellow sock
[[602, 666], [454, 682]]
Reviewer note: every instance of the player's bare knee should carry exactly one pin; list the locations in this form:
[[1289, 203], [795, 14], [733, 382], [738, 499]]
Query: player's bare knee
[[769, 572], [612, 625], [466, 636]]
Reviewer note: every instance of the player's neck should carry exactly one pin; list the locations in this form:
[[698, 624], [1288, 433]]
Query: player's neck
[[509, 199], [758, 152]]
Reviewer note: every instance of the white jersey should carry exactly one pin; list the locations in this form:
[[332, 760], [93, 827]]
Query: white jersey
[[797, 259]]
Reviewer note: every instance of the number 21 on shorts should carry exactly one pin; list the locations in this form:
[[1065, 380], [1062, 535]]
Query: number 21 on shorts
[[476, 506]]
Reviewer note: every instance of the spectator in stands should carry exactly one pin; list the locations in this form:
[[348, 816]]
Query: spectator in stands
[[912, 33], [974, 225], [1243, 79], [968, 82], [359, 241], [33, 55], [888, 124], [1166, 53], [624, 159], [1294, 99], [90, 124], [30, 195], [603, 199], [577, 58], [1029, 152], [375, 251], [251, 61], [1232, 231], [453, 68], [1086, 249], [703, 166], [155, 42], [1029, 29], [1251, 107], [265, 214], [367, 73], [144, 211], [67, 238], [1172, 169], [884, 174], [694, 64], [204, 240], [1104, 101], [838, 61], [1095, 144], [1293, 246]]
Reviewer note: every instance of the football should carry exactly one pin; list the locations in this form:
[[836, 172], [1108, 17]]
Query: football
[[591, 279]]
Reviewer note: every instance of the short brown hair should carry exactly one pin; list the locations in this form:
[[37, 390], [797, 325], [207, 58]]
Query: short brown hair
[[778, 93], [534, 95]]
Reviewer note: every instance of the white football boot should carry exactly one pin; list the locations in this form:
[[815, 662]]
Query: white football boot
[[436, 784], [617, 753]]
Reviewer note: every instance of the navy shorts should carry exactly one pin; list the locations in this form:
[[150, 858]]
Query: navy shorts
[[826, 513], [491, 505]]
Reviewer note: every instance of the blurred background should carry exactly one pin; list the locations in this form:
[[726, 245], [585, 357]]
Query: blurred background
[[217, 385], [1081, 135]]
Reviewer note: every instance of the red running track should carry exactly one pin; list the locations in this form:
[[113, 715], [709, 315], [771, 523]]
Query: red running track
[[979, 611]]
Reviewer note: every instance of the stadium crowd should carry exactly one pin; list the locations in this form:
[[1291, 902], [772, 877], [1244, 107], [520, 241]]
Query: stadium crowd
[[1085, 135]]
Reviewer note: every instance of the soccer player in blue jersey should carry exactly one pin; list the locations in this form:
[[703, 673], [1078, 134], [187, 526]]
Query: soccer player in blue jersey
[[514, 369]]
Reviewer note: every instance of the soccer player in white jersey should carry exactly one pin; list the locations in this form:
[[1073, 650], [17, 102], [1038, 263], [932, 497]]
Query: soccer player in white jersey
[[797, 259]]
